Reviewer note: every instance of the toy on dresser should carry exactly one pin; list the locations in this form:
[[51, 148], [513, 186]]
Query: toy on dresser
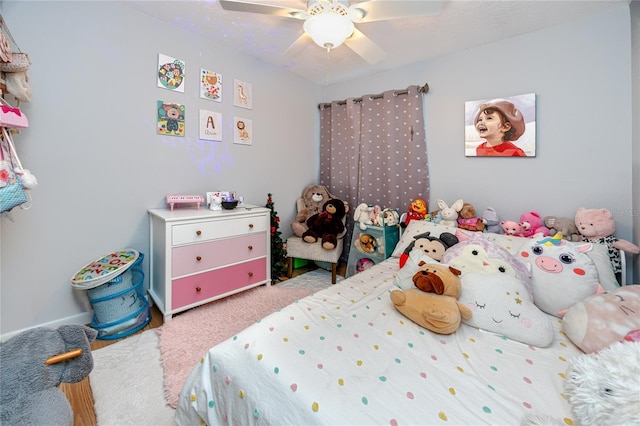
[[598, 226]]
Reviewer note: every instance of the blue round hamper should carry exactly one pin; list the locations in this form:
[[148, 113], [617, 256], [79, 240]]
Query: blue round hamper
[[120, 307]]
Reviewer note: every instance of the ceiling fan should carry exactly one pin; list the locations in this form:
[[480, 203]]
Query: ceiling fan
[[329, 23]]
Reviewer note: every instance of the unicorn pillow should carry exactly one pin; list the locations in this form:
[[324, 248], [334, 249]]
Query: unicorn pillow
[[561, 273]]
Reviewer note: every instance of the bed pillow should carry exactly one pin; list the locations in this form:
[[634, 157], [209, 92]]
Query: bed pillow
[[600, 320], [501, 304], [479, 255], [417, 227], [599, 255], [561, 273]]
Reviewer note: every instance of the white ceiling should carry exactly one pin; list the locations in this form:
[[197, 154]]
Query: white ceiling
[[461, 25]]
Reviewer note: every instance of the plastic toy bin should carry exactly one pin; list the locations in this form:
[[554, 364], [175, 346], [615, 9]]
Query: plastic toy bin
[[114, 285]]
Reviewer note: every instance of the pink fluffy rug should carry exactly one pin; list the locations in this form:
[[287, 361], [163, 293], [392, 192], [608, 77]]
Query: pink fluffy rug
[[188, 336]]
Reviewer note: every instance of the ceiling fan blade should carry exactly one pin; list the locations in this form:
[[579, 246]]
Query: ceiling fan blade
[[363, 46], [376, 10], [298, 45], [265, 9]]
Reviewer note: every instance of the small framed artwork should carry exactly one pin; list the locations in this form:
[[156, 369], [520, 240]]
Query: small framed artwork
[[501, 127], [170, 119], [171, 73], [210, 85], [210, 125], [242, 94], [242, 131]]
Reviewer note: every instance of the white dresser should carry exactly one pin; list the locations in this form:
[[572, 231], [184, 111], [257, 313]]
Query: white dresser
[[198, 256]]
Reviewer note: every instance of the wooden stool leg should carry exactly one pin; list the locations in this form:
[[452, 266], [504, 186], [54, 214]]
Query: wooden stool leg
[[290, 267], [334, 270]]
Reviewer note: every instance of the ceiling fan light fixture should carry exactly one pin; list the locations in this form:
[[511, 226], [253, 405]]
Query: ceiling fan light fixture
[[328, 29]]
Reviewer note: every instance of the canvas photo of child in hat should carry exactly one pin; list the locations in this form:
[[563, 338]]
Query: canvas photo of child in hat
[[500, 127]]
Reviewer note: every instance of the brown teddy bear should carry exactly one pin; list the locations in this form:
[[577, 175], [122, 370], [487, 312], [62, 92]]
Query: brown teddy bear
[[311, 202], [468, 220], [434, 303], [327, 225]]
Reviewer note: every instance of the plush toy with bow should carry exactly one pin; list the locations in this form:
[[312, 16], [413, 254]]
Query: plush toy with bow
[[598, 226], [433, 304], [326, 225]]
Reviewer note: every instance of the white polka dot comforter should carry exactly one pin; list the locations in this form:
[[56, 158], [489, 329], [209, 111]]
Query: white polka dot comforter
[[345, 356]]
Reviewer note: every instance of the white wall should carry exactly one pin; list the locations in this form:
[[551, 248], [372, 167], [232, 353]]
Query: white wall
[[93, 147], [92, 144], [581, 75]]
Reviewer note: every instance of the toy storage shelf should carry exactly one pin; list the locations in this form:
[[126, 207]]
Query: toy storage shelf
[[371, 246]]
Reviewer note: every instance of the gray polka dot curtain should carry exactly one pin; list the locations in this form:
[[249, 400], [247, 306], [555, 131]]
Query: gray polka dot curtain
[[374, 150]]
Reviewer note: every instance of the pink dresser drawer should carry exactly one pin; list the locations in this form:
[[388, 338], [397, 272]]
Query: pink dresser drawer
[[200, 257], [196, 288]]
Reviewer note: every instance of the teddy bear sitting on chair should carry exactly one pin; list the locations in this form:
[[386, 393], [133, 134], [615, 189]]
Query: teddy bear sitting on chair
[[327, 225]]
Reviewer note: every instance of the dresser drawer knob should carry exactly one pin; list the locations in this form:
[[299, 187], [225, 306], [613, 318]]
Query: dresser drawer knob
[[251, 226], [198, 258], [198, 289], [250, 274], [198, 233], [250, 247]]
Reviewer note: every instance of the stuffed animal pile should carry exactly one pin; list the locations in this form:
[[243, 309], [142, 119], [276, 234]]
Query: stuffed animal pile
[[310, 203]]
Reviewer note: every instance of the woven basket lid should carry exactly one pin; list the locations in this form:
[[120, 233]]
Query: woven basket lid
[[104, 269]]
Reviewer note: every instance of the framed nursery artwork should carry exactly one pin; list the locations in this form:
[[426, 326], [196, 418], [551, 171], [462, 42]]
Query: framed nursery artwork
[[242, 131], [501, 127], [171, 73], [210, 125], [210, 85], [170, 119], [242, 94]]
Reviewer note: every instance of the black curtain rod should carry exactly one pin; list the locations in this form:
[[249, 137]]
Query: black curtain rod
[[421, 89]]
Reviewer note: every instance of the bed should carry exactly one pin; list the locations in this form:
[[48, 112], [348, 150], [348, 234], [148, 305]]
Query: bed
[[345, 355]]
